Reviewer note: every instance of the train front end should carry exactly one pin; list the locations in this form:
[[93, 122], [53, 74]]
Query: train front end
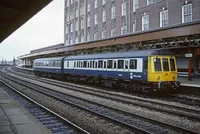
[[162, 74]]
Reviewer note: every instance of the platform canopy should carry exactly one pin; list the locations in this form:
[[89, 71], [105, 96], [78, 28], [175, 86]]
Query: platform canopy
[[14, 13]]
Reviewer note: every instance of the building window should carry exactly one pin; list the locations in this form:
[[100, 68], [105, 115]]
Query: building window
[[71, 40], [96, 36], [82, 23], [103, 2], [104, 15], [163, 18], [76, 40], [104, 34], [82, 38], [88, 21], [82, 10], [135, 5], [150, 2], [96, 19], [145, 22], [134, 26], [95, 3], [123, 29], [66, 29], [76, 25], [71, 27], [76, 12], [187, 13], [88, 7], [113, 12], [123, 8], [113, 32], [67, 42], [71, 16], [88, 37], [67, 2], [72, 1]]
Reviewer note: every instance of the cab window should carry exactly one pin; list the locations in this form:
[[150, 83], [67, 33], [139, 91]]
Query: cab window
[[157, 64], [165, 64], [172, 64]]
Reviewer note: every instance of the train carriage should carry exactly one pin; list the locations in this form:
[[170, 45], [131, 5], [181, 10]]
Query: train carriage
[[138, 70], [146, 70], [48, 66]]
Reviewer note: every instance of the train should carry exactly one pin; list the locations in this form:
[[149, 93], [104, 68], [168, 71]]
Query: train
[[152, 71]]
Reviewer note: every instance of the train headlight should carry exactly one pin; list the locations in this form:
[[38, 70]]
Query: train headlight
[[158, 78]]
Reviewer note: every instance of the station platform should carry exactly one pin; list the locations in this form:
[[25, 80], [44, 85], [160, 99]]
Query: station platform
[[14, 119], [195, 82]]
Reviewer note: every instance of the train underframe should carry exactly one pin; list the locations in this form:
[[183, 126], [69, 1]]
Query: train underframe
[[160, 88]]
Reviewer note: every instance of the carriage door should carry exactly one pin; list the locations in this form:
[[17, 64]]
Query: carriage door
[[126, 68], [105, 68], [145, 69]]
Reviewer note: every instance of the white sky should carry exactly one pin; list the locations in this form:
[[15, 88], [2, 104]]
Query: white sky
[[46, 28]]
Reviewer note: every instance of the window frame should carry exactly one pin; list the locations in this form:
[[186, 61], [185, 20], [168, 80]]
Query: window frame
[[183, 15]]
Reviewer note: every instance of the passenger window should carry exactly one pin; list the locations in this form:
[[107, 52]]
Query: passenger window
[[133, 64], [172, 64], [110, 63], [55, 64], [104, 64], [120, 64], [100, 64], [77, 64], [88, 64], [81, 64], [84, 64], [96, 64], [74, 64], [157, 64], [126, 64], [165, 64], [91, 64]]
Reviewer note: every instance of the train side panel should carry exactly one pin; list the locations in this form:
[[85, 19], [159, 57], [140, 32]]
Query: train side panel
[[124, 73]]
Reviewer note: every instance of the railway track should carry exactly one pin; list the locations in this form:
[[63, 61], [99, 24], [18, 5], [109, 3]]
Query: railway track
[[175, 98], [56, 123], [180, 111], [127, 118]]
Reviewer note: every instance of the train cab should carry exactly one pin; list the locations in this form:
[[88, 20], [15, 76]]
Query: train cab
[[162, 72]]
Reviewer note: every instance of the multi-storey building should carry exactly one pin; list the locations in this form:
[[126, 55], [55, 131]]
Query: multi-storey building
[[90, 20]]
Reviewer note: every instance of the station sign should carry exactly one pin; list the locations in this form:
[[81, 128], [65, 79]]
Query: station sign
[[188, 55]]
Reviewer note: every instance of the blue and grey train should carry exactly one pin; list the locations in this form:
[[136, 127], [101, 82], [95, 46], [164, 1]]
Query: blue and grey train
[[145, 70]]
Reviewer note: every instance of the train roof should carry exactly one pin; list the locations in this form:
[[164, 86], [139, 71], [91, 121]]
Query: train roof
[[48, 59], [127, 54]]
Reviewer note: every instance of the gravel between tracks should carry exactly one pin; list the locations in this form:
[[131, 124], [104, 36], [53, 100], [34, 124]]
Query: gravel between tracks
[[162, 117], [81, 118]]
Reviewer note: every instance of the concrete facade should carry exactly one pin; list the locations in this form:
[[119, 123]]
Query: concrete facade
[[78, 13]]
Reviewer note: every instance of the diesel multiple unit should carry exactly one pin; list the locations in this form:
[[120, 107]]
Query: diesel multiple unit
[[147, 71]]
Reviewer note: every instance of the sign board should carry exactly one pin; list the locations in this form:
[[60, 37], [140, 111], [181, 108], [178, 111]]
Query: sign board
[[188, 55]]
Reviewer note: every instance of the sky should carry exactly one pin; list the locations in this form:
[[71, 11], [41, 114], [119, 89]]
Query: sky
[[46, 28]]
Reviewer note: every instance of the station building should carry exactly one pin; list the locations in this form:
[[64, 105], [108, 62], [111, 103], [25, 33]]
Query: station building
[[93, 26], [90, 20]]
